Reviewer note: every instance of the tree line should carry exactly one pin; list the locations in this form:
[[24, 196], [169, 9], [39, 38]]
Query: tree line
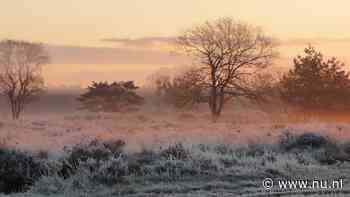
[[231, 58]]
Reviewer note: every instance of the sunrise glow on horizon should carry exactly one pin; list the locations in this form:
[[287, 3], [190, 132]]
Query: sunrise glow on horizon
[[87, 38], [85, 23]]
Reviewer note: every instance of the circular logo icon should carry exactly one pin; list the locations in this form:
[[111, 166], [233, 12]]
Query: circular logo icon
[[267, 183]]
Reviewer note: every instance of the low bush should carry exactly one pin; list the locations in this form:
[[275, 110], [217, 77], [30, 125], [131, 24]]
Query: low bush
[[92, 166], [323, 149], [109, 172], [174, 169], [19, 170], [111, 97], [289, 141], [176, 151], [97, 150]]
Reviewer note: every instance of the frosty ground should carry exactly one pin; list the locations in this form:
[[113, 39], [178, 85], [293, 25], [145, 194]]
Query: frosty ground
[[151, 129], [168, 152]]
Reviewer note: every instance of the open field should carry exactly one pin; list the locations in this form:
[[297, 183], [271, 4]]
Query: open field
[[156, 127], [174, 153], [103, 168], [178, 98]]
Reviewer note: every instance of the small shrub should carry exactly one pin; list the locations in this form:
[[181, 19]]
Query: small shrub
[[145, 157], [97, 150], [326, 156], [135, 167], [289, 141], [109, 172], [176, 151], [184, 91], [312, 140], [322, 149], [174, 169], [43, 154], [18, 171], [223, 149], [346, 147], [48, 185], [115, 146], [253, 150], [114, 97]]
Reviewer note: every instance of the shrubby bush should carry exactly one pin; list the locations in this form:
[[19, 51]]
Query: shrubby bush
[[109, 172], [289, 141], [96, 150], [323, 149], [99, 164], [174, 169], [114, 97], [184, 90], [176, 151], [19, 170]]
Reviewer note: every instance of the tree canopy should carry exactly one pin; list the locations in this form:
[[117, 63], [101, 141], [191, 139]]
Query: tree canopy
[[21, 80], [316, 82], [114, 97], [229, 52]]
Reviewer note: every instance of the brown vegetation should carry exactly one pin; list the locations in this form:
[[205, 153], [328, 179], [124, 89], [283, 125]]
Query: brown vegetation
[[229, 53], [114, 97], [184, 91], [20, 73]]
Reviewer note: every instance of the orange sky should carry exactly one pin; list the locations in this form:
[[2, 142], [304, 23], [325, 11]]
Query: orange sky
[[85, 23]]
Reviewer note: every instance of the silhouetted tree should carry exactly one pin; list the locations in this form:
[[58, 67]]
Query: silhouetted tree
[[114, 97], [229, 52], [316, 83], [20, 72], [185, 90]]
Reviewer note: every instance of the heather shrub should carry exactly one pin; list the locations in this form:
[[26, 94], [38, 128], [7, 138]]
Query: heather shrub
[[289, 141], [323, 149], [183, 91], [108, 172], [103, 169], [176, 151], [145, 156], [19, 170], [97, 150], [174, 169]]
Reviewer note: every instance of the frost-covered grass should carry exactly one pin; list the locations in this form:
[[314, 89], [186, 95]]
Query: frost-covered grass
[[102, 168]]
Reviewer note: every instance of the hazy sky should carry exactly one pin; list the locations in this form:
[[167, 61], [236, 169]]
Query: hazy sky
[[85, 22], [79, 26]]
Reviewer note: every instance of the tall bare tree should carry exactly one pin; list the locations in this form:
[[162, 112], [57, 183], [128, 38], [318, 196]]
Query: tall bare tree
[[229, 52], [20, 72]]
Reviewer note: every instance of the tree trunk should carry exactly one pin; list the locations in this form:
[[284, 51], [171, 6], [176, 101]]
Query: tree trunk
[[216, 102], [16, 109], [212, 100]]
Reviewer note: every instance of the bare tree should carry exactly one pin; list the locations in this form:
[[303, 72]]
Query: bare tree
[[229, 53], [20, 72]]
